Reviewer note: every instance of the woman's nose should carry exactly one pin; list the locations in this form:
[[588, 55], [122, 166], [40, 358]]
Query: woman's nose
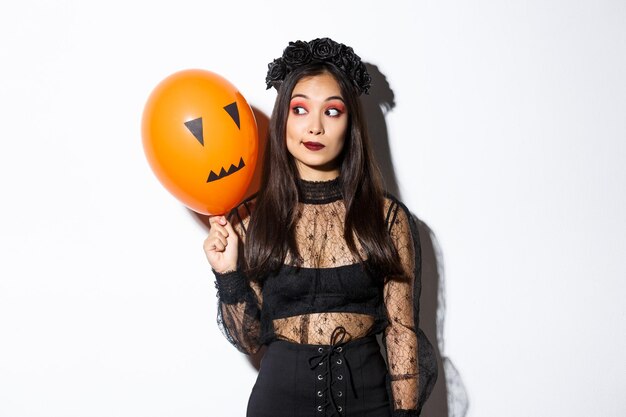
[[316, 128]]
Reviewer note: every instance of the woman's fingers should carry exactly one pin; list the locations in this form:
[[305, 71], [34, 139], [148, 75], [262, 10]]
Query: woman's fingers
[[219, 230], [220, 234], [220, 243], [217, 220], [218, 224], [228, 228], [220, 246], [216, 241]]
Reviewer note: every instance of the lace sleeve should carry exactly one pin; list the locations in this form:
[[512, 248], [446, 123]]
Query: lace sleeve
[[410, 356], [239, 305]]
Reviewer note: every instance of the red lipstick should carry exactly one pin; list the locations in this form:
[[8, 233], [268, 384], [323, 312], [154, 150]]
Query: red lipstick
[[313, 146]]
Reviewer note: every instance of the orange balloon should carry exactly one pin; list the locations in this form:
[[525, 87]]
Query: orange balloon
[[201, 140]]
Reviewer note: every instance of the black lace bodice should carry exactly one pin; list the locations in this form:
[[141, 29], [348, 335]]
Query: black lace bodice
[[331, 289]]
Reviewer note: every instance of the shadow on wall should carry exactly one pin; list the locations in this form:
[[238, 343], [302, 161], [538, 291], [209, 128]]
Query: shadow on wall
[[376, 105], [449, 397]]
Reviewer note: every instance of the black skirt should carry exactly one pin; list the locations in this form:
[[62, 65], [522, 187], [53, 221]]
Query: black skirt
[[342, 380]]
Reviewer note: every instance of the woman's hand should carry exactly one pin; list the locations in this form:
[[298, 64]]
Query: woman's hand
[[221, 244]]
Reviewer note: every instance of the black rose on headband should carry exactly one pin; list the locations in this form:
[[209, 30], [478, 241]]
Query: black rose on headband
[[296, 54], [324, 50], [276, 72], [361, 76], [345, 58]]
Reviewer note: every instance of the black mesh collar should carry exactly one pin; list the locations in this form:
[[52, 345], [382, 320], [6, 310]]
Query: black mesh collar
[[319, 192]]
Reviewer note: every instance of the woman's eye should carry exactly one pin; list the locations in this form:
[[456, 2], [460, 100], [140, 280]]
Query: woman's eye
[[298, 110], [333, 112]]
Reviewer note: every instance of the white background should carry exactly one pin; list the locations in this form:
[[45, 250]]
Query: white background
[[508, 140]]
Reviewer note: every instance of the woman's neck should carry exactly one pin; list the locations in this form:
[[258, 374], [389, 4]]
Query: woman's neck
[[307, 173]]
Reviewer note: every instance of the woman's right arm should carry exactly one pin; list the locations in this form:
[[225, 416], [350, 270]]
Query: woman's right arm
[[239, 304]]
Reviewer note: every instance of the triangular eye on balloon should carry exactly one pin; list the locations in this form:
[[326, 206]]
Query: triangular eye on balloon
[[233, 112], [195, 125]]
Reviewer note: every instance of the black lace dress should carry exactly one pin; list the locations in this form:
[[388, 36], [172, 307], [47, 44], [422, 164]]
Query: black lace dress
[[329, 306]]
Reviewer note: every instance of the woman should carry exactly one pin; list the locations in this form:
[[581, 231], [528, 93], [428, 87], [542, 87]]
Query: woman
[[320, 260]]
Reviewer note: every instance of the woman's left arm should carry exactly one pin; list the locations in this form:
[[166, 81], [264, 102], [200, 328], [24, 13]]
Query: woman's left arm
[[410, 357]]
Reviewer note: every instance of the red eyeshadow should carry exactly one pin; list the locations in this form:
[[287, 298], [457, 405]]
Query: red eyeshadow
[[339, 106], [298, 104]]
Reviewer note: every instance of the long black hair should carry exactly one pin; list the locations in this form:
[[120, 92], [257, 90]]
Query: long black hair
[[271, 231]]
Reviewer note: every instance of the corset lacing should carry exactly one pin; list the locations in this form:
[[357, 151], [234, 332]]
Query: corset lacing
[[332, 358]]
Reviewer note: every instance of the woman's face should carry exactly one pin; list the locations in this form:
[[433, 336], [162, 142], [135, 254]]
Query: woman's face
[[316, 127]]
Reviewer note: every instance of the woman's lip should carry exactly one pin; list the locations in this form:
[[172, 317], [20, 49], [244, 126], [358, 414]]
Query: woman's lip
[[313, 146]]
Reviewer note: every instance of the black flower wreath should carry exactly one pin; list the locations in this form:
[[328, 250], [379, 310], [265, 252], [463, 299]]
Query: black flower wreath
[[299, 53]]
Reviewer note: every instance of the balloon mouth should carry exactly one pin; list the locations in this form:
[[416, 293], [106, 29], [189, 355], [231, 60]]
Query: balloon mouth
[[224, 173]]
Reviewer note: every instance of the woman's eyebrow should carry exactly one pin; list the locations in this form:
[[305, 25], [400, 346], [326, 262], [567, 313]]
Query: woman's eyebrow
[[307, 97], [334, 98]]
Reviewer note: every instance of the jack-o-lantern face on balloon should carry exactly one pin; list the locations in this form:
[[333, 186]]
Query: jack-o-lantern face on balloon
[[200, 138]]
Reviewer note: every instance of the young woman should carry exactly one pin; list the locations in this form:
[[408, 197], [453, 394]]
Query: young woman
[[321, 260]]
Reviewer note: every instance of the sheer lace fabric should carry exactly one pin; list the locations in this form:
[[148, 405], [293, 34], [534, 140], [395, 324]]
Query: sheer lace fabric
[[246, 322]]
